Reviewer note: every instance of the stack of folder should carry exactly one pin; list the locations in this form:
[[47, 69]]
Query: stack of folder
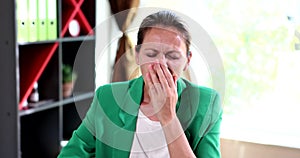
[[36, 20]]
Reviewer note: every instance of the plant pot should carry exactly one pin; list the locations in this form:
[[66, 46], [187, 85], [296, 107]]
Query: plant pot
[[68, 89]]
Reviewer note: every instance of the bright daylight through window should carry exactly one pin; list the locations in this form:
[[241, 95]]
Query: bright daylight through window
[[259, 43]]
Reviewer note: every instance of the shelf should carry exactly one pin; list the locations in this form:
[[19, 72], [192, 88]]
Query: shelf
[[48, 104], [43, 125], [43, 105], [79, 38], [78, 97], [37, 42], [62, 39]]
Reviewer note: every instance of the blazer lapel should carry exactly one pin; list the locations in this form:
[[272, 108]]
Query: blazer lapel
[[128, 116]]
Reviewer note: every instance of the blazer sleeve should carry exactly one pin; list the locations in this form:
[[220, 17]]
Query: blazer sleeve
[[209, 145], [82, 142]]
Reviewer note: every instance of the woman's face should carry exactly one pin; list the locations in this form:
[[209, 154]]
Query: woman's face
[[164, 46]]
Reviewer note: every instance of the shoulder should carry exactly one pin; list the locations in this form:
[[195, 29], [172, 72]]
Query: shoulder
[[204, 101], [200, 108], [206, 94]]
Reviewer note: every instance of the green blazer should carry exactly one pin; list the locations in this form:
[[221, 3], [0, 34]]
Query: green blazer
[[108, 127]]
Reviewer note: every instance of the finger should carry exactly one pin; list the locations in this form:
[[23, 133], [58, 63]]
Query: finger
[[168, 73], [175, 77], [148, 80], [153, 75], [173, 74], [161, 76]]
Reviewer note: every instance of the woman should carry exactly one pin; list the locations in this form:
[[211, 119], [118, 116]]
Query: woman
[[158, 114]]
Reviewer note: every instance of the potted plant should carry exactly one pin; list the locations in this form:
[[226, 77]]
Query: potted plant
[[69, 78]]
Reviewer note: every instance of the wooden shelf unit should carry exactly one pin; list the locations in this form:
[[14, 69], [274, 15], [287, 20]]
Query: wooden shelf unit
[[42, 128]]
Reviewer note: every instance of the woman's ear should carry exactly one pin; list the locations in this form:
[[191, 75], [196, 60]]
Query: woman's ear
[[136, 52], [189, 56]]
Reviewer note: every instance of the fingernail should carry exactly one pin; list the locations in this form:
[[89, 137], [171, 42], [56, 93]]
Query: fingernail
[[175, 78]]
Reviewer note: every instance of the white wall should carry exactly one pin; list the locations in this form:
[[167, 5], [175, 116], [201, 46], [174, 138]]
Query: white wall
[[106, 45]]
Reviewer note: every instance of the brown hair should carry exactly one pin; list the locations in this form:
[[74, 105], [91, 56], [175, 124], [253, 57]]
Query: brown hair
[[163, 19]]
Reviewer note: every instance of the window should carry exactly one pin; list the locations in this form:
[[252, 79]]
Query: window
[[262, 69]]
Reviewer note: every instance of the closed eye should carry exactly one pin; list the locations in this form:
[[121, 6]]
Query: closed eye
[[173, 55], [151, 52], [151, 55]]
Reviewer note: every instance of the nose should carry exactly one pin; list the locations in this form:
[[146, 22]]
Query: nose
[[162, 59]]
